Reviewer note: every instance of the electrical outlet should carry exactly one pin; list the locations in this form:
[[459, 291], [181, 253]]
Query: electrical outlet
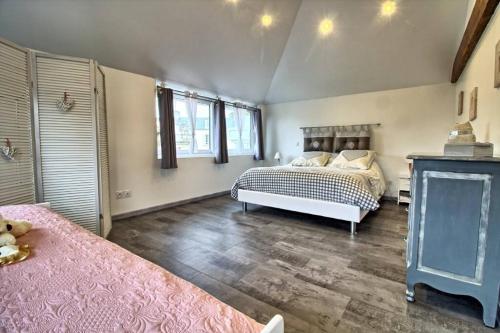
[[123, 194]]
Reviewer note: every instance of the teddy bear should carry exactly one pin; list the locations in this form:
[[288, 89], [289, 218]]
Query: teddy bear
[[9, 230], [6, 238], [19, 228]]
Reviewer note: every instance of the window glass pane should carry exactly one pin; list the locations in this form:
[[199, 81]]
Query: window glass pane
[[158, 145], [233, 135], [202, 131], [182, 127], [158, 138], [246, 130]]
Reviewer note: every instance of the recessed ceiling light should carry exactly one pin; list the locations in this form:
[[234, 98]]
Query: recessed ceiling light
[[266, 20], [325, 27], [388, 8], [234, 2]]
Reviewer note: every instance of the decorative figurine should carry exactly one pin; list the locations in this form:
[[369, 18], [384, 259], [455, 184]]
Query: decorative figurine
[[8, 151], [65, 104]]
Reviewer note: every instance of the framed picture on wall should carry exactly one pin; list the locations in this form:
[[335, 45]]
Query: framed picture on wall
[[460, 102], [497, 65], [473, 104]]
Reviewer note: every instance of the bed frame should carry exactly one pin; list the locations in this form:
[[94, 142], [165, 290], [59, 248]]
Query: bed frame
[[353, 214], [275, 325]]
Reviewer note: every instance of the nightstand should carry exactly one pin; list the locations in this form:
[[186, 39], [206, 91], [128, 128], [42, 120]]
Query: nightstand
[[404, 189]]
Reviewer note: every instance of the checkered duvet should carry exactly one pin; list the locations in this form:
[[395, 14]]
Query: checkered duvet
[[313, 183]]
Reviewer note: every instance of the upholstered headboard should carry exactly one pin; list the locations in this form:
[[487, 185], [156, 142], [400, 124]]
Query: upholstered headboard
[[334, 139], [318, 139]]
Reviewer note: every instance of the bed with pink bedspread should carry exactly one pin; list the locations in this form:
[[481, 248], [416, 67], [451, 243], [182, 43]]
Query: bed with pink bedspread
[[75, 281]]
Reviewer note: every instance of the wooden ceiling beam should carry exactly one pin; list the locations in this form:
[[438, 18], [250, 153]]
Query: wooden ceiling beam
[[479, 18]]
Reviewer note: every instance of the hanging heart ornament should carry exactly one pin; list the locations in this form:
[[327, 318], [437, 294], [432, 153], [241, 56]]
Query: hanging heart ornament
[[65, 103]]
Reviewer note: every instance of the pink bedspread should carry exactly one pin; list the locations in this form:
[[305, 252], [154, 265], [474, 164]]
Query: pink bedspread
[[78, 282]]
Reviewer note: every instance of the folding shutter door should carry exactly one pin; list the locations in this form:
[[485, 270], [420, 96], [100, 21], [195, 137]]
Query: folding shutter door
[[103, 152], [17, 184], [67, 140]]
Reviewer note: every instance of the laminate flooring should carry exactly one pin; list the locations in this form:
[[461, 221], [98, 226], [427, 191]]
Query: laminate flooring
[[307, 268]]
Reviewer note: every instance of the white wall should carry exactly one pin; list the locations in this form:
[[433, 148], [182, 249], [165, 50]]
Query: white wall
[[480, 73], [413, 120], [133, 163]]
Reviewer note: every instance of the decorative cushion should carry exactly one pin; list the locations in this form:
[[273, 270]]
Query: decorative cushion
[[299, 162], [354, 154], [317, 161], [354, 159], [320, 160]]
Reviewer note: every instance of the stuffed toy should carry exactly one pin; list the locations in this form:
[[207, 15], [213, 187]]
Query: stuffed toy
[[15, 228], [6, 238], [19, 228], [9, 230]]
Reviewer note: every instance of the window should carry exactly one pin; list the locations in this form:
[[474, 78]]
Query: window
[[239, 125], [192, 127]]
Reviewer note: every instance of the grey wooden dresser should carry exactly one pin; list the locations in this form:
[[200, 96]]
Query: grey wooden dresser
[[454, 228]]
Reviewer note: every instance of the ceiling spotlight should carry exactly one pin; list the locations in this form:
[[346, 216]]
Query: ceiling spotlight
[[325, 27], [266, 20], [234, 2], [388, 8]]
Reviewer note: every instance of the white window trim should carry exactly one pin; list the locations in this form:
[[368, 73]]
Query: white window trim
[[190, 154], [244, 152], [198, 153], [205, 155]]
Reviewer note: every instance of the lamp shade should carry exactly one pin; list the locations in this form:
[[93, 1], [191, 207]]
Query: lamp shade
[[277, 156]]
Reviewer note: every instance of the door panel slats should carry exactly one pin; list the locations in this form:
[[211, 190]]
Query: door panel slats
[[68, 140], [17, 185]]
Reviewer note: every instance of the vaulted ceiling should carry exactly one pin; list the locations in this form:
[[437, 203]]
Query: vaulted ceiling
[[219, 46]]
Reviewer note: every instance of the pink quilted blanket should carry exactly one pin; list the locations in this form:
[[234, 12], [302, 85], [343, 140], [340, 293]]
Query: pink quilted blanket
[[75, 281]]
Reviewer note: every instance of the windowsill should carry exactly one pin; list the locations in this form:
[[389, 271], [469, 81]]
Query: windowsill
[[210, 155], [241, 154], [195, 155]]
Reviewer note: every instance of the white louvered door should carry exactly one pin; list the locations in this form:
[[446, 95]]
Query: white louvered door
[[17, 184], [67, 141], [102, 123]]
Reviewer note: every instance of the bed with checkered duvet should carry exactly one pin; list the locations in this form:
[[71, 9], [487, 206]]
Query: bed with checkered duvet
[[319, 183]]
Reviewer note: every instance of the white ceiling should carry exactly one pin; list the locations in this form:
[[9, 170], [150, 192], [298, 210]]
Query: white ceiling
[[215, 46], [366, 53]]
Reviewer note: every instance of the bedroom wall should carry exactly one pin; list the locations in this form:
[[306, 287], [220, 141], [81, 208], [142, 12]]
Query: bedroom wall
[[413, 120], [480, 73], [133, 163]]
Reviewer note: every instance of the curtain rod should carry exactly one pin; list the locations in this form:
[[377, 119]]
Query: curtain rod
[[210, 99], [373, 124]]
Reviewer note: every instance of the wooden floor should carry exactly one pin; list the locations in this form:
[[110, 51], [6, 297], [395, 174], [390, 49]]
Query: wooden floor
[[306, 268]]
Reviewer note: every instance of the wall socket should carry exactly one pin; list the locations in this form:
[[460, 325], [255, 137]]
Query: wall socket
[[123, 194]]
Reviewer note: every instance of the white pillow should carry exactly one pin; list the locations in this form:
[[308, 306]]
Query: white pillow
[[354, 159], [299, 162], [318, 161], [310, 154]]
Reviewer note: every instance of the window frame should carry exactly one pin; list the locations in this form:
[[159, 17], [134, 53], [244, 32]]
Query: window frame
[[241, 151], [191, 153], [210, 151]]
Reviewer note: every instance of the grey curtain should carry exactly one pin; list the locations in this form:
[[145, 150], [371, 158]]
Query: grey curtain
[[259, 137], [220, 136], [167, 128]]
